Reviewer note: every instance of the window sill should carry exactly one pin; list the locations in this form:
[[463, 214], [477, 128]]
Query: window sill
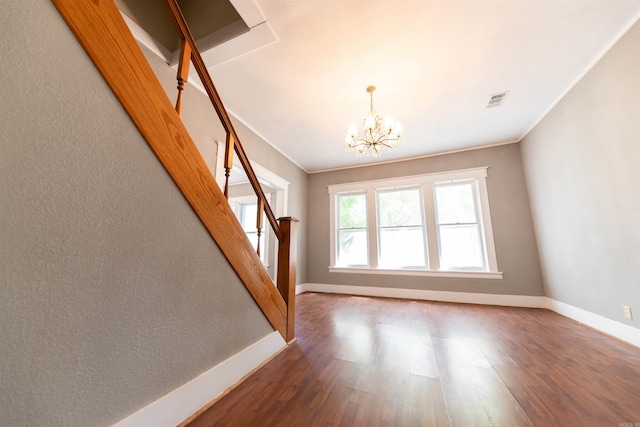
[[415, 272]]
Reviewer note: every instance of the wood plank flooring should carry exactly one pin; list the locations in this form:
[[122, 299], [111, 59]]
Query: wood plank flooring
[[363, 361]]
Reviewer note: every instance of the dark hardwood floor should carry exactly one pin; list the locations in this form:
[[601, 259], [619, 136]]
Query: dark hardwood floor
[[365, 361]]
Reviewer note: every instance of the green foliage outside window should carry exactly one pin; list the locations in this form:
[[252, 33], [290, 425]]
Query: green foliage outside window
[[399, 208], [353, 211], [352, 219]]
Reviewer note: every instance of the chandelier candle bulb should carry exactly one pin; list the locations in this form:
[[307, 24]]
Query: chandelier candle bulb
[[376, 135], [370, 122], [389, 123], [352, 131]]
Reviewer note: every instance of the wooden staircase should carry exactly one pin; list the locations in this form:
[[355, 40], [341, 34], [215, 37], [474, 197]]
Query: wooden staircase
[[102, 32]]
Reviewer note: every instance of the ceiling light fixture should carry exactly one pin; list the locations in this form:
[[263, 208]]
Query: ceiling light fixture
[[377, 134]]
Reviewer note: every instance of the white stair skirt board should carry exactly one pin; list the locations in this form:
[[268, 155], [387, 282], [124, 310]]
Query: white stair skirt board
[[610, 327], [175, 407]]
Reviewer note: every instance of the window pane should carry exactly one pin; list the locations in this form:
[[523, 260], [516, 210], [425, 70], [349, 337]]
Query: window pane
[[352, 211], [249, 220], [401, 247], [399, 207], [352, 247], [460, 247], [455, 203]]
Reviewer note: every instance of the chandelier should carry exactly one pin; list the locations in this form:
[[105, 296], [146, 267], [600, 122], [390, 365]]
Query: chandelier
[[377, 134]]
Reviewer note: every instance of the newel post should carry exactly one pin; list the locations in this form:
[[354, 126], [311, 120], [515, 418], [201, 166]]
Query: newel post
[[287, 269]]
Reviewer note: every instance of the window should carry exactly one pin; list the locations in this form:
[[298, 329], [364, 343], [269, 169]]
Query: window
[[459, 231], [435, 224], [401, 237], [352, 230]]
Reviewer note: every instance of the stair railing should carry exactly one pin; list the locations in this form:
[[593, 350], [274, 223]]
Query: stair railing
[[283, 228]]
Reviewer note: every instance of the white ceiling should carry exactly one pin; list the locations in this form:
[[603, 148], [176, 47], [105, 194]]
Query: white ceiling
[[434, 63]]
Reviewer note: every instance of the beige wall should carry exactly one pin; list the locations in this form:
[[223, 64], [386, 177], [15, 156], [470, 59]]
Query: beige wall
[[112, 292], [582, 165], [510, 214]]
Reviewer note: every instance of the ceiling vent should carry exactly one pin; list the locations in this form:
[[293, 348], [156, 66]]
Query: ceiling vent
[[496, 99]]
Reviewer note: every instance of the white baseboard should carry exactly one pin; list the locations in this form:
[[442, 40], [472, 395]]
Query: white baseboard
[[422, 294], [610, 327], [173, 408]]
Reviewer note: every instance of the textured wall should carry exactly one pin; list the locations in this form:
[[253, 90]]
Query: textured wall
[[112, 292], [510, 215], [582, 165]]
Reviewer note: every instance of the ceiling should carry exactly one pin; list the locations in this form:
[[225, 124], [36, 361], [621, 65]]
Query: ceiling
[[296, 73]]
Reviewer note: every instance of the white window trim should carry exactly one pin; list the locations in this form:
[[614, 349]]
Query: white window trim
[[427, 181], [421, 272]]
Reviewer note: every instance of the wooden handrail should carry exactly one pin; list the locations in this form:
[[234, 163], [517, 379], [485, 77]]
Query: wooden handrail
[[198, 64]]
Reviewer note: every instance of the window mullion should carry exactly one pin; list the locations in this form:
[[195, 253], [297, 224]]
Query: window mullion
[[372, 227], [432, 229]]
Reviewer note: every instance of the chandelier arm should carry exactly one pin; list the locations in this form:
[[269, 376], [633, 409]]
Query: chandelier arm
[[384, 143], [363, 141]]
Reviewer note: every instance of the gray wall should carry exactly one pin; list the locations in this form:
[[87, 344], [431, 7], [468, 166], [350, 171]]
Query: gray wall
[[112, 292], [510, 214], [202, 122], [582, 165]]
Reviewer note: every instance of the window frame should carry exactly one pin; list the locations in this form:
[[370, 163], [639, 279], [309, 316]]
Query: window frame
[[432, 241]]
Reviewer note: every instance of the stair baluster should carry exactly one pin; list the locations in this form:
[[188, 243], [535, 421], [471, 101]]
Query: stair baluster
[[183, 73]]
